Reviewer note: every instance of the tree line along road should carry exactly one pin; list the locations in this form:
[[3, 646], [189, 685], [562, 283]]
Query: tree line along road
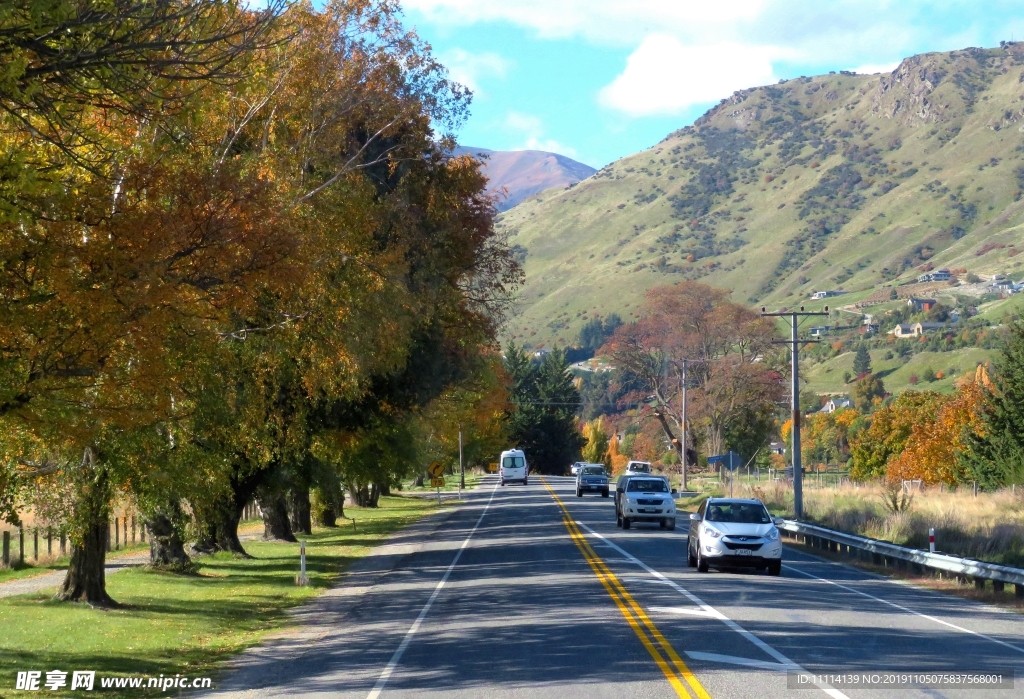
[[532, 592]]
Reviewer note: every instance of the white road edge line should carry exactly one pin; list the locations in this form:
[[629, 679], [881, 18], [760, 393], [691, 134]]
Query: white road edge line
[[393, 663], [714, 613], [905, 609], [680, 610], [746, 662]]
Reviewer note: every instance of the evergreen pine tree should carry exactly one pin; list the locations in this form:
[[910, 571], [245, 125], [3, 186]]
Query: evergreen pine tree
[[994, 456], [546, 401], [862, 362]]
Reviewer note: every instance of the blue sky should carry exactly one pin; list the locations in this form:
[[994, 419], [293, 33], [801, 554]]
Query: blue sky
[[599, 79]]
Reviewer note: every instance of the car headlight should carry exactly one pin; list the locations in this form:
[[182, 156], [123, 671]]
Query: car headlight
[[713, 533], [630, 501], [772, 534]]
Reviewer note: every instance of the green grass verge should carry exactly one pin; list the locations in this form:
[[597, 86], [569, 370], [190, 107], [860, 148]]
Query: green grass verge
[[188, 624], [451, 482]]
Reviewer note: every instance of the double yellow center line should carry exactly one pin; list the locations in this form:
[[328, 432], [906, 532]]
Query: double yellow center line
[[657, 645]]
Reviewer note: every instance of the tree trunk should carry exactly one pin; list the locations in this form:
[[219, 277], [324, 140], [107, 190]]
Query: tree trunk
[[275, 518], [374, 495], [299, 510], [219, 528], [166, 549], [385, 489], [86, 577], [328, 518], [218, 524]]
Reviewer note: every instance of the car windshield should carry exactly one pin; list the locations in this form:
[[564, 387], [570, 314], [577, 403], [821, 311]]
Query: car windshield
[[593, 471], [647, 485], [738, 512], [513, 462]]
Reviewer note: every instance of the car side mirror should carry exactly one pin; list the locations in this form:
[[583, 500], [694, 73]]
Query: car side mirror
[[674, 491], [777, 521], [694, 517]]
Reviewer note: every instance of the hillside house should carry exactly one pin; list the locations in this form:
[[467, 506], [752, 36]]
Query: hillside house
[[777, 448], [915, 329], [921, 304], [835, 404], [820, 331], [817, 295], [939, 275]]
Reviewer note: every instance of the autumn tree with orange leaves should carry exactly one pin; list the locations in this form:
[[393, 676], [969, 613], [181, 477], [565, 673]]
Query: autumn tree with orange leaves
[[732, 393], [932, 449], [287, 259]]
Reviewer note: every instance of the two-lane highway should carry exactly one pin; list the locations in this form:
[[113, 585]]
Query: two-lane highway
[[531, 591]]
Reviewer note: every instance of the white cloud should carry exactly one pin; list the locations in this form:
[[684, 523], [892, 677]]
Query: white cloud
[[470, 69], [663, 76], [837, 33], [528, 133], [613, 21], [871, 69], [550, 145]]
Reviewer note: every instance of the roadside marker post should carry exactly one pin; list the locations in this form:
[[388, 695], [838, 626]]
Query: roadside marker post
[[303, 580], [931, 540]]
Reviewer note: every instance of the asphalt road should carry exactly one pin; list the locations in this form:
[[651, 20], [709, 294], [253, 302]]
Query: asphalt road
[[532, 592]]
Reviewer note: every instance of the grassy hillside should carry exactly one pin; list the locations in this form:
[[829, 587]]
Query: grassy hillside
[[827, 377], [841, 181]]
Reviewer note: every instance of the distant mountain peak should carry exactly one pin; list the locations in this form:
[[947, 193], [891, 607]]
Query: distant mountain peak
[[524, 173]]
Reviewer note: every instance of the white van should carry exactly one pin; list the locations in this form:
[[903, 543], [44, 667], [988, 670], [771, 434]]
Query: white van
[[513, 466]]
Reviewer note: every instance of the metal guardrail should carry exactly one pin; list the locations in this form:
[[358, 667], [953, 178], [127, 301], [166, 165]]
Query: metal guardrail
[[820, 537]]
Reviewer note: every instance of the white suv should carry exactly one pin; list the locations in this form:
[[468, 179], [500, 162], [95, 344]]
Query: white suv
[[644, 498], [727, 532], [641, 467]]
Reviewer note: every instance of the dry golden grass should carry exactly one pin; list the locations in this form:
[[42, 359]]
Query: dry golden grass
[[989, 527]]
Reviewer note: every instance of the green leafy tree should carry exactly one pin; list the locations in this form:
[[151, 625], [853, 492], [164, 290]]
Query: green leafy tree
[[866, 391], [994, 456], [862, 361]]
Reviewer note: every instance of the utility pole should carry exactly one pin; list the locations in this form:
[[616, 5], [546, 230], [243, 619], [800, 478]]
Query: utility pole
[[794, 344], [682, 450], [462, 466]]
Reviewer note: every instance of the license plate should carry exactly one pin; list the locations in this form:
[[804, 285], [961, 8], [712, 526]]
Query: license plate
[[743, 552]]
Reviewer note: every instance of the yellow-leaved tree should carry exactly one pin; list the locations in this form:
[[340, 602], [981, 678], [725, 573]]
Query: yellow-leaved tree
[[596, 450]]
